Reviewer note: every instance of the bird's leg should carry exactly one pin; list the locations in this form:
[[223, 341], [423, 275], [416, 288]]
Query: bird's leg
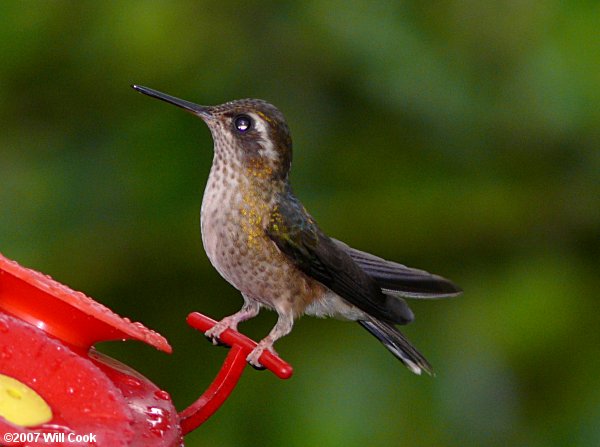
[[249, 310], [285, 322]]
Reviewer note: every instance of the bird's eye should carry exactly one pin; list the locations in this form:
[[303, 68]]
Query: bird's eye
[[243, 123]]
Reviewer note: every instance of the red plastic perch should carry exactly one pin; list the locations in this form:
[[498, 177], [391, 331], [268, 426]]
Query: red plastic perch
[[229, 375]]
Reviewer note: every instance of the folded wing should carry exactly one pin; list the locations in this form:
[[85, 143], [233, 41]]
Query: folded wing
[[297, 236], [399, 280]]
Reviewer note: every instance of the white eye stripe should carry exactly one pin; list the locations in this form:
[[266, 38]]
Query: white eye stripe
[[259, 125]]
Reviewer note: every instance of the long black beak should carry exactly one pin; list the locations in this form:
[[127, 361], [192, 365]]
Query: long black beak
[[201, 111]]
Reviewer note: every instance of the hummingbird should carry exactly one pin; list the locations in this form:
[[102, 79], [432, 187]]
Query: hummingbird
[[261, 239]]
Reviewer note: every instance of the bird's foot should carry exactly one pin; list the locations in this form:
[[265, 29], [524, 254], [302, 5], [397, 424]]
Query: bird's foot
[[215, 332], [254, 356]]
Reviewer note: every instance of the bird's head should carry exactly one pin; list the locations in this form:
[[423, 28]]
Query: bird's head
[[250, 131]]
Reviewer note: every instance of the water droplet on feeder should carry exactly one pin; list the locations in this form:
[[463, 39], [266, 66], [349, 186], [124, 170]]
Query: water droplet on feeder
[[162, 395]]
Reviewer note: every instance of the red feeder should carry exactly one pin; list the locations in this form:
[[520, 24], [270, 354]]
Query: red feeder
[[56, 389]]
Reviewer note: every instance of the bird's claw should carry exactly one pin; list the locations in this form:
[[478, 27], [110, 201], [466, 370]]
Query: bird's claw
[[216, 341], [258, 367], [254, 356], [213, 334]]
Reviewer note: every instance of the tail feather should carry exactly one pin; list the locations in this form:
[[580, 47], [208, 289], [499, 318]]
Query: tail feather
[[398, 345]]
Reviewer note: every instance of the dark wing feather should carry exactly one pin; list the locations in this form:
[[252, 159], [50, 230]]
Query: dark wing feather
[[295, 233], [397, 279]]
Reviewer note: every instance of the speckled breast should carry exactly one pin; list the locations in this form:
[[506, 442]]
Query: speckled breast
[[235, 211]]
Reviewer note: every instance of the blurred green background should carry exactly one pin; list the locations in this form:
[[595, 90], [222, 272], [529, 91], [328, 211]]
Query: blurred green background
[[461, 137]]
